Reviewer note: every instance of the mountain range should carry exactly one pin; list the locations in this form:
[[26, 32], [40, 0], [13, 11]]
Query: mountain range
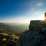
[[15, 28]]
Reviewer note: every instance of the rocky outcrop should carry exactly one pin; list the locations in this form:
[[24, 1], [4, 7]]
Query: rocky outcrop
[[8, 39], [35, 36], [30, 38]]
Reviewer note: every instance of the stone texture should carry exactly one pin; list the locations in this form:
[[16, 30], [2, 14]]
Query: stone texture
[[30, 38]]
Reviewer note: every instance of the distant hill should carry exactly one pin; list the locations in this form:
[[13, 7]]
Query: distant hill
[[3, 28], [13, 28]]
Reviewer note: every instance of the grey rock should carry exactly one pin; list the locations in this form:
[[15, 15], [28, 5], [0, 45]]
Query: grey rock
[[43, 43], [30, 38]]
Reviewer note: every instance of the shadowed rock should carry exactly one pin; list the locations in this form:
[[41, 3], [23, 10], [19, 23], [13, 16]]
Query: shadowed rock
[[30, 38]]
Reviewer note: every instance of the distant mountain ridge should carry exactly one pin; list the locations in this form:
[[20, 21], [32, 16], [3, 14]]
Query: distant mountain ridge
[[13, 28]]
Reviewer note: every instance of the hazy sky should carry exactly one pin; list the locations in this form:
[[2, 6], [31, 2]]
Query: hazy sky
[[21, 11]]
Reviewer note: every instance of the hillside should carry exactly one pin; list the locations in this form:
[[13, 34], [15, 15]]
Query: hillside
[[13, 28]]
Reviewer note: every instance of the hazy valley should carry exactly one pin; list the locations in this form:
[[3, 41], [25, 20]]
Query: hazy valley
[[13, 28]]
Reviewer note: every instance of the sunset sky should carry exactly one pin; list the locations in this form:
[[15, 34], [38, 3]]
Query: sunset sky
[[22, 11]]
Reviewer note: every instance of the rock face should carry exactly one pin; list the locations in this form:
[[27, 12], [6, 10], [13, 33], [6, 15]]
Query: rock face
[[8, 39], [35, 36], [30, 38]]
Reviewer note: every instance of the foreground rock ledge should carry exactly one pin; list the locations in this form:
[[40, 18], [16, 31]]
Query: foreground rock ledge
[[31, 38]]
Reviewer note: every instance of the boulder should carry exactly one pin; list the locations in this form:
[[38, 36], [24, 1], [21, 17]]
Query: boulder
[[30, 38]]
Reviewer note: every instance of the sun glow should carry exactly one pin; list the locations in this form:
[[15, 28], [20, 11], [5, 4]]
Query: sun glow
[[41, 17]]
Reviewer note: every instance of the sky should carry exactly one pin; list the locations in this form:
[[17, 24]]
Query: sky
[[21, 11]]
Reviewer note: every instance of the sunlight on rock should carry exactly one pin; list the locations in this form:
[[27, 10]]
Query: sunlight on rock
[[4, 39], [15, 36], [4, 34]]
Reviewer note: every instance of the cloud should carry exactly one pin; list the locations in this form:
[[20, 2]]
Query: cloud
[[39, 4]]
